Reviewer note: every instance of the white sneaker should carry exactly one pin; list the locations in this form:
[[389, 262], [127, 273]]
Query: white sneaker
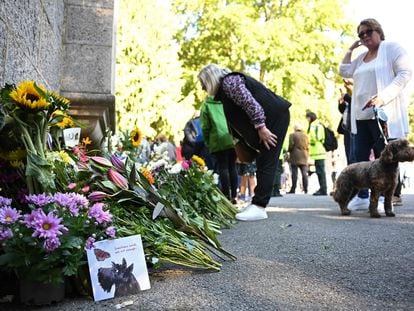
[[358, 204], [252, 212], [381, 204]]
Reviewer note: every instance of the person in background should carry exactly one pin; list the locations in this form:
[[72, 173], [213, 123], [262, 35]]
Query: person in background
[[380, 75], [247, 173], [219, 143], [344, 126], [166, 147], [119, 152], [317, 151], [299, 157], [192, 137], [193, 143], [259, 119], [277, 184], [144, 151]]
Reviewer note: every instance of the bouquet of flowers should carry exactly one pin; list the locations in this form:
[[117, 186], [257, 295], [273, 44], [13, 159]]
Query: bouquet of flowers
[[47, 242], [29, 115]]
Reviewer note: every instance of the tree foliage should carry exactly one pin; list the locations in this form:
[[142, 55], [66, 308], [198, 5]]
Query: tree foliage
[[149, 75], [293, 46]]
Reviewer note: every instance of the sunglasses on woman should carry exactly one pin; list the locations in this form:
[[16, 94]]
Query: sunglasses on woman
[[367, 32]]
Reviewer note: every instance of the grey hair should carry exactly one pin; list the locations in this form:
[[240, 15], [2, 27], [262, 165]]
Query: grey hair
[[210, 77]]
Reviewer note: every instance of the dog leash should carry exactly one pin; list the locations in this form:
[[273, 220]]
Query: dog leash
[[381, 116]]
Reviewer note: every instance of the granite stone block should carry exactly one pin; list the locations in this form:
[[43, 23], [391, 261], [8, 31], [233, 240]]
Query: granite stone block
[[86, 68], [89, 25]]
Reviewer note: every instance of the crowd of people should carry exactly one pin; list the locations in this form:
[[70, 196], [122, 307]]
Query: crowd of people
[[241, 131]]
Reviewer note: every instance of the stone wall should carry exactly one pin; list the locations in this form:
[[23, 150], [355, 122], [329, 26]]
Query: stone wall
[[68, 46], [31, 41]]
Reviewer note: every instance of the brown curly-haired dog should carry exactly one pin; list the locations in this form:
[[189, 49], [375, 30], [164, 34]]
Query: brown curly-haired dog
[[380, 176]]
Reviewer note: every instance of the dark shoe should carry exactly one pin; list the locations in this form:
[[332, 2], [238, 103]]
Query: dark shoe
[[277, 195], [291, 192], [320, 193]]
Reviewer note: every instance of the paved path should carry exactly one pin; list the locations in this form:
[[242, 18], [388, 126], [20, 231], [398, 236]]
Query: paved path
[[304, 257]]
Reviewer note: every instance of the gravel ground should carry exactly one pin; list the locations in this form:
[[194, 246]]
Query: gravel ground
[[304, 257]]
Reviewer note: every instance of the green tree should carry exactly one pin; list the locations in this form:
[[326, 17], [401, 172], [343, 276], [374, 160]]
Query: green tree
[[293, 46], [149, 74]]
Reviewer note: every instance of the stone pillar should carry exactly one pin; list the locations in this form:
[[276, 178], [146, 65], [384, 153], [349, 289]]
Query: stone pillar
[[87, 75]]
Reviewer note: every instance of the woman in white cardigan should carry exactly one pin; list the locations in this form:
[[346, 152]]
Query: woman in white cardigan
[[380, 75]]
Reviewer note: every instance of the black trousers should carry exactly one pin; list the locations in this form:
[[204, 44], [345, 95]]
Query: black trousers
[[226, 165], [267, 161]]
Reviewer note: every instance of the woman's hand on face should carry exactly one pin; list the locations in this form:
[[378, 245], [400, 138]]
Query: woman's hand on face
[[356, 44], [267, 137]]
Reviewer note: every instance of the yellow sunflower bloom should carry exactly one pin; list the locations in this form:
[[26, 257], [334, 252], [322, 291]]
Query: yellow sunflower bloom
[[27, 96], [59, 100], [136, 137], [65, 123], [147, 175], [198, 160]]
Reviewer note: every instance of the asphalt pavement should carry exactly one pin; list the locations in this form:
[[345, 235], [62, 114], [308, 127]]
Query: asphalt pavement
[[305, 256]]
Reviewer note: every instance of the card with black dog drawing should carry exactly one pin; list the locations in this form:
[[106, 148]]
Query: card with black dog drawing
[[118, 268]]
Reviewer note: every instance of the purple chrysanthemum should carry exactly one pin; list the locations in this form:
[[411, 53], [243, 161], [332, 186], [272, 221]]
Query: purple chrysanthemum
[[9, 215], [51, 244], [39, 199], [5, 233], [96, 211], [81, 201], [111, 231], [48, 226], [90, 243], [66, 200], [5, 201], [30, 219]]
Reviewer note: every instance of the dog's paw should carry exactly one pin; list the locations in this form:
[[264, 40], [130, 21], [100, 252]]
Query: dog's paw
[[345, 212], [390, 214]]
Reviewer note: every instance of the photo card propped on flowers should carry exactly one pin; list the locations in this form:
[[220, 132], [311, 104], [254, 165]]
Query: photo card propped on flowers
[[118, 268], [71, 136]]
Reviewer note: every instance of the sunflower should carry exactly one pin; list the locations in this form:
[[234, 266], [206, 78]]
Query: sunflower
[[136, 137], [147, 175], [198, 160], [27, 96], [65, 120], [60, 102]]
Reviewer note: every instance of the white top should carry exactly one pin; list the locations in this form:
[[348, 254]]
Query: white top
[[365, 87], [392, 73]]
